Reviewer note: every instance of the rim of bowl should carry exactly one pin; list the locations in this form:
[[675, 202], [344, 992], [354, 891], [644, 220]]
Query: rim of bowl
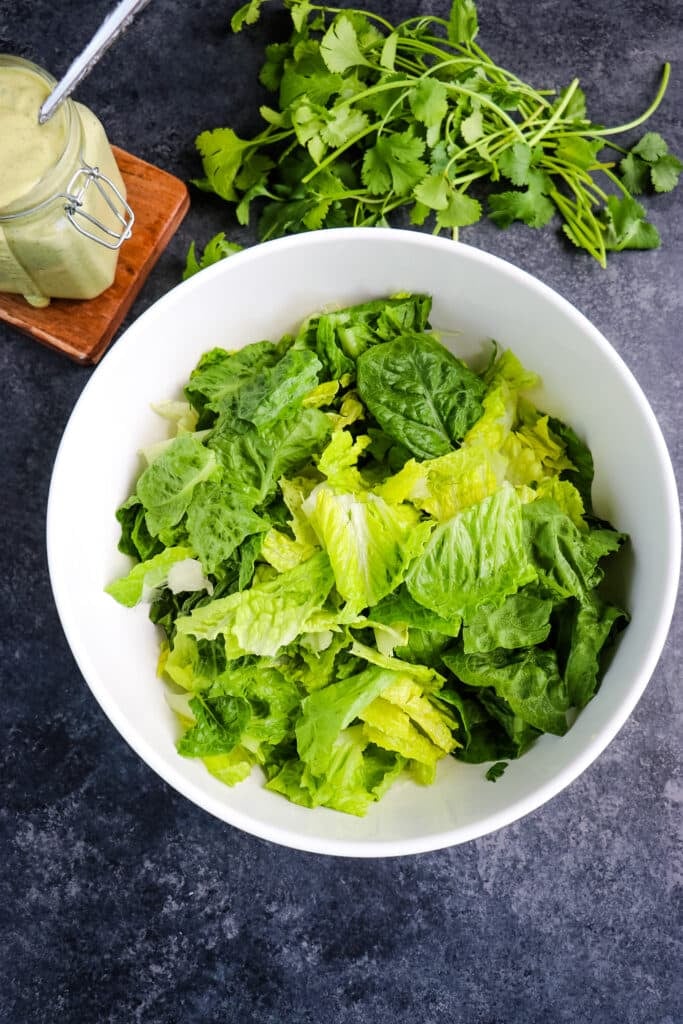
[[439, 839]]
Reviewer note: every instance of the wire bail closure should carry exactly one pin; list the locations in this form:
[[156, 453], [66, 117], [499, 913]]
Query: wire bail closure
[[83, 179]]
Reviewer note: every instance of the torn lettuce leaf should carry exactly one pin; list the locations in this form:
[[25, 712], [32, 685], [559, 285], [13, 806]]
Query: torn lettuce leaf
[[480, 555], [166, 487], [421, 395], [145, 578], [266, 616], [370, 543]]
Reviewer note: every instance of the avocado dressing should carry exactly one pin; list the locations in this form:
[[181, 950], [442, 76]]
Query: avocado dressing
[[63, 214]]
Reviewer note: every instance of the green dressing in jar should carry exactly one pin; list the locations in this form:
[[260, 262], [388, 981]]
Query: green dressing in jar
[[63, 214]]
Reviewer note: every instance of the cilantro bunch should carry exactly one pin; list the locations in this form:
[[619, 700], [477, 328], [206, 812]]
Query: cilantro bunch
[[373, 117]]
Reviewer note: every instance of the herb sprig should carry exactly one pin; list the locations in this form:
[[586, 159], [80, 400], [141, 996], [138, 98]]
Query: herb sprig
[[373, 117]]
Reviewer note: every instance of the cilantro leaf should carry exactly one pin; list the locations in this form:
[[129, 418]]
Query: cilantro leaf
[[665, 173], [299, 13], [433, 192], [635, 173], [463, 23], [651, 147], [373, 117], [429, 101], [216, 249], [343, 125], [339, 47], [308, 76], [515, 162], [247, 14], [472, 128], [496, 770], [579, 151], [222, 153], [388, 55], [461, 211], [394, 161], [575, 110], [649, 162], [626, 227], [308, 122], [270, 74], [529, 205]]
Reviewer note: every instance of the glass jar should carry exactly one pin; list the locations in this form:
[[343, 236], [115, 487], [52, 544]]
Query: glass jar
[[63, 211]]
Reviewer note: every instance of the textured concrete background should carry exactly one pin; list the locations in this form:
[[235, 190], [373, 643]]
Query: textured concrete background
[[120, 902]]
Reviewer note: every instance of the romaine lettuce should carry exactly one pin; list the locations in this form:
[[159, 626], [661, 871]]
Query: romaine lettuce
[[365, 558]]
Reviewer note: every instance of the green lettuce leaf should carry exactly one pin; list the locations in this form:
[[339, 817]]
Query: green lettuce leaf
[[230, 768], [357, 775], [589, 630], [136, 540], [419, 393], [218, 521], [405, 720], [523, 620], [566, 558], [528, 680], [479, 556], [166, 487], [582, 471], [423, 647], [444, 486], [426, 676], [220, 374], [338, 462], [326, 712], [273, 698], [284, 552], [339, 337], [370, 543], [489, 731], [193, 664], [399, 608], [146, 577], [276, 392], [255, 460], [267, 616], [218, 727], [364, 556]]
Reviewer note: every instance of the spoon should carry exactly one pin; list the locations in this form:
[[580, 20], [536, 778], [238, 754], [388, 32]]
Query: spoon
[[114, 25]]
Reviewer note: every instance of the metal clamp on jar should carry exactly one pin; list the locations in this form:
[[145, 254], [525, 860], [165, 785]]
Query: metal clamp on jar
[[63, 209]]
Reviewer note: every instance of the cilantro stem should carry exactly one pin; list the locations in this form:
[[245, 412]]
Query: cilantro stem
[[666, 74], [467, 179], [593, 242], [486, 102], [402, 84], [353, 10], [556, 115], [421, 46], [509, 76], [587, 182], [616, 181], [497, 141]]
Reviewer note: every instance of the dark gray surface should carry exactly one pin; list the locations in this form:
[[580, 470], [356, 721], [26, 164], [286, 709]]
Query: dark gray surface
[[120, 901]]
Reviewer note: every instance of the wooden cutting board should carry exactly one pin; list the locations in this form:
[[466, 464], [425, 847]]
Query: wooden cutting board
[[83, 329]]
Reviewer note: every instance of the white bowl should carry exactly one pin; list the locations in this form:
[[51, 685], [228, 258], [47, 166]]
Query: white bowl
[[261, 293]]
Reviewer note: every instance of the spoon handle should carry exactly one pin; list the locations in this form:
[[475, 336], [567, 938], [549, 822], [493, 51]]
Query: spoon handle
[[111, 28]]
